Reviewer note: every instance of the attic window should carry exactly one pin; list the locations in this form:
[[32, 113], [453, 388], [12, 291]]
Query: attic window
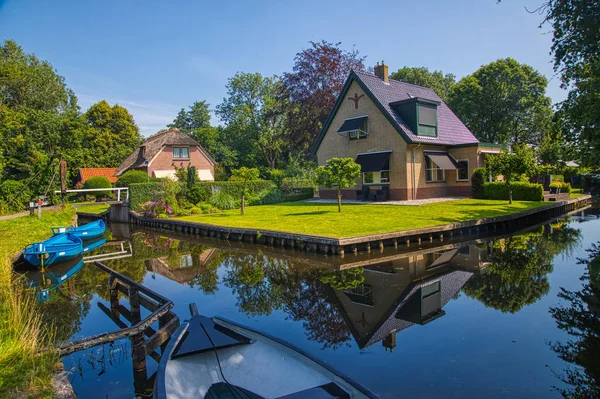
[[427, 117], [355, 128], [181, 153]]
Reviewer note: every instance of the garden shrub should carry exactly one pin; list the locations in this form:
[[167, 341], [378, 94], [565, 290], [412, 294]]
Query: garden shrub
[[196, 211], [272, 197], [477, 182], [140, 193], [98, 182], [220, 199], [198, 193], [300, 193], [234, 188], [13, 196], [156, 209], [207, 208], [132, 176], [564, 188], [521, 191]]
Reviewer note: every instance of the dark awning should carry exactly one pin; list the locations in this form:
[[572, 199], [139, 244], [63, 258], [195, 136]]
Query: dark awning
[[443, 160], [353, 124], [373, 162]]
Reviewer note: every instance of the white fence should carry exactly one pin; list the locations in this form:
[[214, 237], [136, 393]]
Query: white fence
[[90, 190]]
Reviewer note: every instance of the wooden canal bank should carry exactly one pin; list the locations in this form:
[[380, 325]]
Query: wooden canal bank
[[368, 243]]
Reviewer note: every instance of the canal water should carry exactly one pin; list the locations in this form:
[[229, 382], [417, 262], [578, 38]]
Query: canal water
[[493, 316]]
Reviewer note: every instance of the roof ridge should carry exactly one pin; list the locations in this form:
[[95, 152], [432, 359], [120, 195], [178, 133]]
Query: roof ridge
[[396, 80]]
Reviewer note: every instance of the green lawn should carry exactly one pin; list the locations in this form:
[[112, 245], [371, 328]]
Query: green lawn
[[576, 193], [357, 219], [100, 208]]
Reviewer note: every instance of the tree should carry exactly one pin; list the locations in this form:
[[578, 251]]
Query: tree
[[421, 76], [244, 175], [503, 102], [339, 173], [255, 119], [312, 87], [576, 50], [26, 81], [513, 165], [112, 134]]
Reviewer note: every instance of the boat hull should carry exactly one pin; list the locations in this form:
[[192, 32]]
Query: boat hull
[[261, 366], [56, 249], [88, 231]]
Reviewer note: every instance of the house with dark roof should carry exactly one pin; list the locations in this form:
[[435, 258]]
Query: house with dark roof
[[409, 143], [161, 153]]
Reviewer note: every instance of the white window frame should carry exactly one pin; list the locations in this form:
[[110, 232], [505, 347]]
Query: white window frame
[[180, 157], [434, 172], [458, 170], [359, 134]]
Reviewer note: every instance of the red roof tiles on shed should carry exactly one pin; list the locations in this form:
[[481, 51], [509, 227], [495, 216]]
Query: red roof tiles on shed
[[86, 173]]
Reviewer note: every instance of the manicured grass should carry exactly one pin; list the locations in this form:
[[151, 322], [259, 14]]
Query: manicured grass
[[355, 219], [576, 193], [23, 373], [93, 208]]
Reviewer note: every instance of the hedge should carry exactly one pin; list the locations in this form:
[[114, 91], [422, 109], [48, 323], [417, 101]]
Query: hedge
[[300, 193], [234, 188], [132, 176], [522, 191], [140, 193]]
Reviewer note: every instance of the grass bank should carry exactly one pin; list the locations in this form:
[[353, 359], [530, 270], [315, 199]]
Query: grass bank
[[22, 371], [357, 219], [101, 208]]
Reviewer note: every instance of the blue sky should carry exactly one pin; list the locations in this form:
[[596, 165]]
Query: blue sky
[[155, 57]]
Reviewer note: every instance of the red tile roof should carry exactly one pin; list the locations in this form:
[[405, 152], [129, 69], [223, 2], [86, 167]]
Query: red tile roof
[[86, 173]]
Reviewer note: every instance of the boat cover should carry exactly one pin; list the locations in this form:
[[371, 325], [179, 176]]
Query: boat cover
[[196, 340]]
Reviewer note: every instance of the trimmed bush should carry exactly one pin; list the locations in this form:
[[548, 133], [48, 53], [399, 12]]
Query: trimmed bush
[[477, 182], [300, 193], [140, 193], [234, 188], [564, 188], [98, 182], [198, 193], [132, 176], [220, 199], [521, 191]]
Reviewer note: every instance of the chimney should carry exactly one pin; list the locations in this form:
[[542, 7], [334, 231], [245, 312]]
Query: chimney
[[382, 72]]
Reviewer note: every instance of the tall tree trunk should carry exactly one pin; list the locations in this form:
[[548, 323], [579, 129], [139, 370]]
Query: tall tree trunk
[[509, 193], [339, 198], [243, 204]]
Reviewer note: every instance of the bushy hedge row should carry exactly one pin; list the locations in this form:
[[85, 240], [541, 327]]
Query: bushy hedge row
[[300, 193], [477, 182], [565, 188], [140, 193], [234, 188], [522, 191]]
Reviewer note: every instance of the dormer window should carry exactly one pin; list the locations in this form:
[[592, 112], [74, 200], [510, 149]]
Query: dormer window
[[355, 128], [420, 115]]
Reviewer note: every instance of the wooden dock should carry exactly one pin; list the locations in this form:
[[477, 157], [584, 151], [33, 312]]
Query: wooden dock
[[368, 243]]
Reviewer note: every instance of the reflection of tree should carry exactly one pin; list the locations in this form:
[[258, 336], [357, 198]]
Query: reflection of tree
[[518, 274], [581, 320], [344, 279], [65, 313]]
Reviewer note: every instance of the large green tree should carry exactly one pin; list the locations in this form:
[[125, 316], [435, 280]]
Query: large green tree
[[576, 50], [340, 173], [503, 102], [255, 122], [422, 76], [513, 165], [111, 136]]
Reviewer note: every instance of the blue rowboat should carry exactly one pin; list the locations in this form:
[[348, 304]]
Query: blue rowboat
[[47, 284], [87, 231], [55, 249]]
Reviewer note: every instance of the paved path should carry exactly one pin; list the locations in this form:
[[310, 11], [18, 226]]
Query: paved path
[[401, 203], [21, 214]]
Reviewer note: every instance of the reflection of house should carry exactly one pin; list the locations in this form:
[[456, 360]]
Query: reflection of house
[[186, 270], [161, 153], [400, 293]]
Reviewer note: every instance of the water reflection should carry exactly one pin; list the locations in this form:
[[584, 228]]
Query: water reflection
[[344, 306], [579, 317]]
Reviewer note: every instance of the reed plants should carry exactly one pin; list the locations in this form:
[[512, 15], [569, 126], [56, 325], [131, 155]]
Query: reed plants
[[26, 370]]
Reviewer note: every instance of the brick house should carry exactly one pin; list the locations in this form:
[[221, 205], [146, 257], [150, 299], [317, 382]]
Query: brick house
[[161, 153], [409, 144]]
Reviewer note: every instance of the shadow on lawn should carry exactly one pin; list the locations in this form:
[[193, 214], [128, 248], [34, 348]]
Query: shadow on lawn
[[307, 213]]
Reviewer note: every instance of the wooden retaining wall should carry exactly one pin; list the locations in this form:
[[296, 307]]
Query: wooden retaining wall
[[368, 243]]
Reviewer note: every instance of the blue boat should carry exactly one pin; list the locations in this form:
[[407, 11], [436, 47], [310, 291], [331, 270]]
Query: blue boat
[[55, 249], [47, 283], [89, 246], [87, 231]]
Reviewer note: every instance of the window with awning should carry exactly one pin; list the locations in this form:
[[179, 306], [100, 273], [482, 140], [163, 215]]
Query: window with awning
[[436, 163], [375, 167], [355, 128]]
